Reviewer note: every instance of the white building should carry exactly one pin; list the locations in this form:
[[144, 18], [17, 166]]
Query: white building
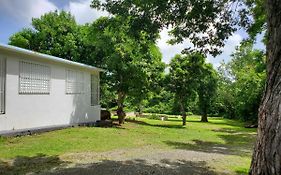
[[40, 91]]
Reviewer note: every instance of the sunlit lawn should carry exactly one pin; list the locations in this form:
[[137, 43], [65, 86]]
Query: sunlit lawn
[[219, 136]]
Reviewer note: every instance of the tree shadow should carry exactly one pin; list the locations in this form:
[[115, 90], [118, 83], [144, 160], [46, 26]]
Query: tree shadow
[[218, 121], [199, 145], [138, 166], [212, 120], [52, 165], [236, 142], [30, 165], [239, 140], [155, 125]]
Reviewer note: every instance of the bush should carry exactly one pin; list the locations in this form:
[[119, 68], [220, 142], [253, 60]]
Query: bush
[[153, 117]]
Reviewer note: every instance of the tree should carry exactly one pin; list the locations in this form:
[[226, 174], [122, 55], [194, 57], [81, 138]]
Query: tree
[[188, 19], [55, 33], [183, 78], [267, 154], [133, 63], [248, 70], [207, 90], [242, 83], [188, 15]]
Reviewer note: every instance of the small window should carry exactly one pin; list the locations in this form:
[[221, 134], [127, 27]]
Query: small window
[[2, 84], [74, 82], [94, 90], [34, 78]]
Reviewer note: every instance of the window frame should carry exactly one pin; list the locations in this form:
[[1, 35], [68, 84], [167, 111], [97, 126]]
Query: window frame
[[80, 84], [3, 79], [97, 92]]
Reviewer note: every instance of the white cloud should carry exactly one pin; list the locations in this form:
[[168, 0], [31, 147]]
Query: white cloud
[[82, 11], [228, 49], [169, 51], [23, 11]]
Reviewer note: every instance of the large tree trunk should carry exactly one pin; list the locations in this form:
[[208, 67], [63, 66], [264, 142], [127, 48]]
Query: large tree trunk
[[204, 117], [120, 110], [183, 113], [267, 153]]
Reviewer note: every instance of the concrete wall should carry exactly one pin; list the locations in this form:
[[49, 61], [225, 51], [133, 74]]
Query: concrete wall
[[57, 108]]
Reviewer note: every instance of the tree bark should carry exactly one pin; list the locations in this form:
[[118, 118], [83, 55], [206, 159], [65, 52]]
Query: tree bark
[[183, 113], [267, 153], [204, 117], [120, 110]]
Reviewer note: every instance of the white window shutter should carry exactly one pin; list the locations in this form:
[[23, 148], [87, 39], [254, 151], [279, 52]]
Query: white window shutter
[[34, 78]]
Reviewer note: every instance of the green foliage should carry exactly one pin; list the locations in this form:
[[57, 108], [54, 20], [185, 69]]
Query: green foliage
[[253, 17], [187, 75], [55, 33], [24, 39], [242, 83], [159, 102], [188, 19], [133, 64], [207, 90]]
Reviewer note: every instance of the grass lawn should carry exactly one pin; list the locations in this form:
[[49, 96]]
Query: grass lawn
[[219, 136]]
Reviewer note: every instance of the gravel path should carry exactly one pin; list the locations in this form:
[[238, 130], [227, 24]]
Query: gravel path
[[142, 161]]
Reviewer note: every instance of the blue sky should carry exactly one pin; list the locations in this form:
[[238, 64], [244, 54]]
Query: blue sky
[[17, 14]]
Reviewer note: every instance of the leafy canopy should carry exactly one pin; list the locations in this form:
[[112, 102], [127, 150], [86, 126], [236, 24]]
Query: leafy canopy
[[242, 82], [55, 33], [133, 64]]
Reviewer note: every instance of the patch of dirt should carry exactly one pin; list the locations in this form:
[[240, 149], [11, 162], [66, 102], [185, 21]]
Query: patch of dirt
[[143, 161]]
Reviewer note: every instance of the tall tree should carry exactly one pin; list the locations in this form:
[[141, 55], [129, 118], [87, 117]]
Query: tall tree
[[197, 17], [133, 63], [267, 152], [184, 76], [242, 83], [207, 90], [55, 33]]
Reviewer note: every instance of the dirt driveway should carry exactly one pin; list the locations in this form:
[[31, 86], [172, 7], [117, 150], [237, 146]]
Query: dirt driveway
[[143, 161]]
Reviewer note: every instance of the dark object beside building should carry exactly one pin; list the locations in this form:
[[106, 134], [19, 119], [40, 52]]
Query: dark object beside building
[[105, 115]]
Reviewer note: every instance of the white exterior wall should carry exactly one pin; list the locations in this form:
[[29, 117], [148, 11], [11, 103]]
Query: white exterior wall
[[40, 110]]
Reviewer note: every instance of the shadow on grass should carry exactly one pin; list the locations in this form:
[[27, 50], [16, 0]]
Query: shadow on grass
[[139, 166], [202, 146], [218, 121], [27, 165], [212, 121], [52, 165], [238, 138], [235, 143], [155, 125]]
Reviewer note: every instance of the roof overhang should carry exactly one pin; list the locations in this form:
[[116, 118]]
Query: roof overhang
[[46, 57]]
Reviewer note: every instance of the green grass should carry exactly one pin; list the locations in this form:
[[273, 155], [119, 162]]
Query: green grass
[[236, 141]]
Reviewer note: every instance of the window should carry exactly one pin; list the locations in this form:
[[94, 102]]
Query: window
[[74, 82], [2, 84], [94, 90], [34, 78]]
